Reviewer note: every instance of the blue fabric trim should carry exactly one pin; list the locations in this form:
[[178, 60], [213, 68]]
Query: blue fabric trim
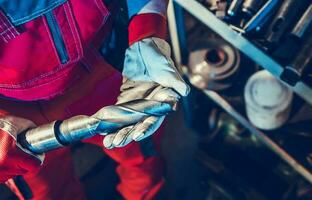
[[134, 6], [22, 11], [57, 37]]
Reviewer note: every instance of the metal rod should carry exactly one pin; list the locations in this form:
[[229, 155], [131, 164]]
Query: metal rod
[[174, 34], [259, 19], [111, 118]]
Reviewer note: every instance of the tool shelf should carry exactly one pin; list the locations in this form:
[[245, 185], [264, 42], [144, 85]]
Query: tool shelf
[[244, 45], [255, 53]]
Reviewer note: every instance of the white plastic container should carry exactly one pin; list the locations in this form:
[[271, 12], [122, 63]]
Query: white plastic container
[[268, 101]]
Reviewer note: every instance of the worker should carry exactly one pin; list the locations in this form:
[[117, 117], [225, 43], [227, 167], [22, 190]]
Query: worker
[[51, 69]]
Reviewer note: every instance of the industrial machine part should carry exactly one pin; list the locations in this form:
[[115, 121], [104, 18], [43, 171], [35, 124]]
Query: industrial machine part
[[285, 18], [294, 72], [60, 133], [304, 24], [267, 101], [249, 157], [212, 4], [230, 129], [233, 149], [235, 8], [260, 136], [257, 22], [217, 6], [212, 64], [254, 48], [221, 11], [291, 43], [250, 7], [241, 43]]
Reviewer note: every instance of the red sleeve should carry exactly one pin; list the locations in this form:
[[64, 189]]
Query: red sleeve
[[147, 25], [13, 160]]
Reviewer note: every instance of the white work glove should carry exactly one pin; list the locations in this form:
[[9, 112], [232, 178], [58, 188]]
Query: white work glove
[[13, 126], [148, 70], [15, 160]]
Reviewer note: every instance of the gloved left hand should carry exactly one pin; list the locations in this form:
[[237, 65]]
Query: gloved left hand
[[149, 73], [14, 159]]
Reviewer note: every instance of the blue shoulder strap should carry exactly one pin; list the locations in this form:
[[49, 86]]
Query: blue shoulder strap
[[134, 6], [22, 11]]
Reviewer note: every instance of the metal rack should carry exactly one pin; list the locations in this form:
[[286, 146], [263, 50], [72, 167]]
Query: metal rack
[[244, 45], [177, 33]]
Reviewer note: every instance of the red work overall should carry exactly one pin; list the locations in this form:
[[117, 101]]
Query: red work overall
[[52, 71]]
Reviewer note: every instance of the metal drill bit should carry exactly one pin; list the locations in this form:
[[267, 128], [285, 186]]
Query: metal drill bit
[[60, 133]]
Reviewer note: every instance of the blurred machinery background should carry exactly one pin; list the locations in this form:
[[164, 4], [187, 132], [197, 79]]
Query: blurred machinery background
[[249, 62]]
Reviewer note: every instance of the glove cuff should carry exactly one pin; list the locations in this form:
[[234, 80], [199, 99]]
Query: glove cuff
[[147, 25], [7, 126]]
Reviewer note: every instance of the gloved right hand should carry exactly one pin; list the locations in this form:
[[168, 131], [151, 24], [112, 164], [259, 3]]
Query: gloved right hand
[[149, 73], [15, 160]]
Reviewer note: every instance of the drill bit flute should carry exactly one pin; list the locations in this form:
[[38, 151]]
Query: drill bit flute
[[111, 118]]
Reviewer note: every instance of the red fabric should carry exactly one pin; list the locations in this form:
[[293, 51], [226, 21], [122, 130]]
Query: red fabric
[[56, 178], [147, 25], [141, 178], [29, 64], [31, 70], [43, 76], [13, 161]]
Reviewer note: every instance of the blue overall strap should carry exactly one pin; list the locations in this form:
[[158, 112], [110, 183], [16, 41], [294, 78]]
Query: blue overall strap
[[16, 12], [7, 29]]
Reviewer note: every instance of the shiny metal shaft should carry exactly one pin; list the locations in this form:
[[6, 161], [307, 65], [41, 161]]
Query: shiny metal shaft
[[111, 118]]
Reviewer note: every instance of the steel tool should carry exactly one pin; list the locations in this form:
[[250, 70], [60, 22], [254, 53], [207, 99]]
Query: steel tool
[[250, 7], [261, 17], [111, 118], [234, 8], [303, 25], [285, 18], [292, 73]]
